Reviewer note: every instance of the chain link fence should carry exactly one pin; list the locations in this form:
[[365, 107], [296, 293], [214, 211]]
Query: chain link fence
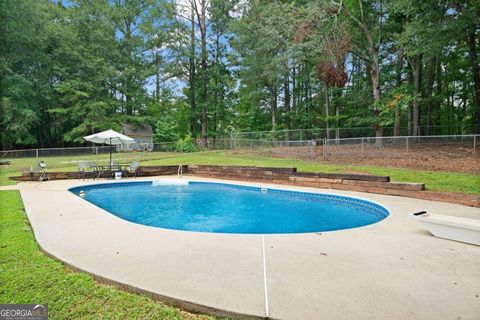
[[426, 149], [212, 144], [365, 147], [446, 153], [342, 133], [64, 159], [457, 146]]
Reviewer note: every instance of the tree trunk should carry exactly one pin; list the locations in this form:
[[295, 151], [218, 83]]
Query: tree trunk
[[338, 95], [273, 104], [327, 111], [203, 31], [128, 81], [410, 105], [472, 53], [417, 75], [217, 88], [375, 75], [286, 89], [452, 108], [438, 92], [308, 96], [157, 76], [397, 123], [128, 104], [294, 87], [377, 96], [429, 91], [191, 80]]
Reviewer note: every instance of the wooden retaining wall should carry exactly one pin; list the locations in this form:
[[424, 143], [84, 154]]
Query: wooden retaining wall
[[148, 171], [268, 174], [145, 171], [290, 176], [340, 181], [356, 182]]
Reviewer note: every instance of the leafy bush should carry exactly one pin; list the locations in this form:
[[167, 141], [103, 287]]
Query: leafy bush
[[166, 129], [186, 145]]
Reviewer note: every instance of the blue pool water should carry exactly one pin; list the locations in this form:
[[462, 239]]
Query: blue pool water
[[225, 208]]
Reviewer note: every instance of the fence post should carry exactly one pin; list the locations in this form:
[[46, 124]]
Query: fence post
[[362, 149], [474, 142], [36, 151], [406, 140]]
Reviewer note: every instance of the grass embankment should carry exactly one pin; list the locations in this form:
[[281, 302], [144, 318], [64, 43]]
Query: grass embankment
[[27, 275], [434, 180]]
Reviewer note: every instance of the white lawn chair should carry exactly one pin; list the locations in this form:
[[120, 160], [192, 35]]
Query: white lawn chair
[[133, 168]]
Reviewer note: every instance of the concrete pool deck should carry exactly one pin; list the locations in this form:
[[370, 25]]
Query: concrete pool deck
[[393, 269]]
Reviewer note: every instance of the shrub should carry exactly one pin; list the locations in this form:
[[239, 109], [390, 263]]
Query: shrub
[[166, 130], [186, 145]]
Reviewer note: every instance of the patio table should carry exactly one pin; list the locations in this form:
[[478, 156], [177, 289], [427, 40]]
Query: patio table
[[110, 169]]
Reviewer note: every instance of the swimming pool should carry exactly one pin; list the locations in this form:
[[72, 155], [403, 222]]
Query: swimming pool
[[230, 208]]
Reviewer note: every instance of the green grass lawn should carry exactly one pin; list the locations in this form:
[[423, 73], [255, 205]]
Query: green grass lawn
[[69, 163], [27, 275], [6, 172], [434, 180]]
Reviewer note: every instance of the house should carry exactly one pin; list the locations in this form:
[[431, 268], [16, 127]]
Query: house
[[143, 136]]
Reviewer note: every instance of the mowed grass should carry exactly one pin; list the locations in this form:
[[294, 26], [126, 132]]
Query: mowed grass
[[434, 180], [27, 275], [69, 163]]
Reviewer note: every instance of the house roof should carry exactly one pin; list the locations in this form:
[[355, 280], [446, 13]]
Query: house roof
[[145, 130]]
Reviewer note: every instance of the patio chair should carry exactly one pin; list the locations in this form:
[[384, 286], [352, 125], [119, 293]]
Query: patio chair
[[84, 168], [115, 166], [93, 167], [96, 169], [133, 169]]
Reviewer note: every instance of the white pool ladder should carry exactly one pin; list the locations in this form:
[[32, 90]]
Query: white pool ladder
[[180, 171]]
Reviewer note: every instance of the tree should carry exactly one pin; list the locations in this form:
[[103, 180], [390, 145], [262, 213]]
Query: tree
[[23, 41], [367, 23], [86, 84], [263, 36], [206, 67]]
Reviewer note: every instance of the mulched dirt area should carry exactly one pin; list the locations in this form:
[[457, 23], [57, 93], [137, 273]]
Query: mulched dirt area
[[452, 157]]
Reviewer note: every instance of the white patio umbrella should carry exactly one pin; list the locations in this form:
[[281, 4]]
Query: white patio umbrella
[[109, 137]]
